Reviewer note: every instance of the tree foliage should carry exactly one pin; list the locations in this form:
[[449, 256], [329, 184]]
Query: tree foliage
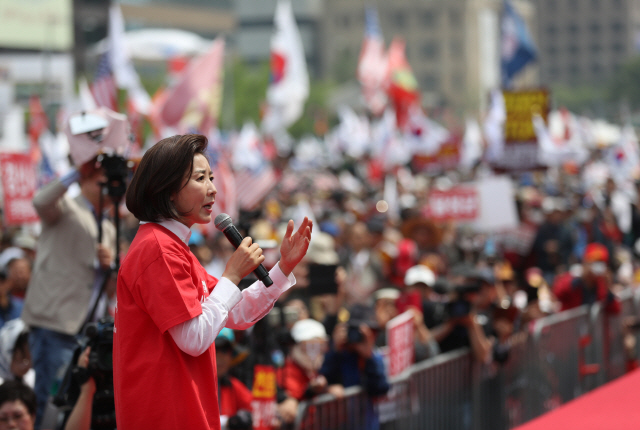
[[245, 89], [620, 95], [624, 87]]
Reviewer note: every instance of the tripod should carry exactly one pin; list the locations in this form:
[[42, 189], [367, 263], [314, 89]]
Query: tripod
[[116, 171]]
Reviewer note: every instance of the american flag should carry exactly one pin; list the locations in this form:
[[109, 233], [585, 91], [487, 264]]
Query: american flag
[[104, 85], [254, 175], [253, 186], [39, 130], [226, 197], [38, 122], [135, 126], [373, 66]]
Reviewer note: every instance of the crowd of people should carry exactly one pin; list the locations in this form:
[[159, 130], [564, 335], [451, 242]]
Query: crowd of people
[[577, 243]]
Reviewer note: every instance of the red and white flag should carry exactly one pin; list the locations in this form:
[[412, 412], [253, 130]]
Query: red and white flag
[[373, 65], [472, 145], [423, 136], [87, 100], [194, 102], [403, 87], [493, 126], [125, 74], [289, 86]]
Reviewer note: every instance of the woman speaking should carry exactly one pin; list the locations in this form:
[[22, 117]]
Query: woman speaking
[[169, 309]]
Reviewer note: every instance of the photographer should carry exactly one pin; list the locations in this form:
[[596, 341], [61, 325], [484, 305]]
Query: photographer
[[353, 359], [68, 260], [80, 417], [85, 397], [470, 312]]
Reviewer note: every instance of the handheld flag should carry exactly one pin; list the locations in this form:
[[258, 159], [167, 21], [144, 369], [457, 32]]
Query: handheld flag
[[517, 48], [373, 65], [289, 87]]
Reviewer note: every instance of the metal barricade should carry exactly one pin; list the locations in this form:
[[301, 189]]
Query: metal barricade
[[522, 387], [326, 412], [563, 356], [434, 394], [557, 347], [615, 356]]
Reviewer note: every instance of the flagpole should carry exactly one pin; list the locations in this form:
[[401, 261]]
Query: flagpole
[[46, 61], [504, 82], [229, 83]]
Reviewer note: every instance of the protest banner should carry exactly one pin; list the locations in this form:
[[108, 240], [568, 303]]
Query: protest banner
[[521, 146], [459, 203], [19, 183], [488, 204], [400, 342], [264, 397]]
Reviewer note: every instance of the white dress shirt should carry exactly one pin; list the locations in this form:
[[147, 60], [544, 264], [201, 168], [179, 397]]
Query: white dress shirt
[[226, 306]]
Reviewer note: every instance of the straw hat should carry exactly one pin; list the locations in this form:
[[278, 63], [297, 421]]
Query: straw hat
[[409, 226], [322, 249]]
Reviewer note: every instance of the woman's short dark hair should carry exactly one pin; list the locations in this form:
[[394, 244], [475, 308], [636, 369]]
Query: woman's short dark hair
[[164, 170], [10, 391]]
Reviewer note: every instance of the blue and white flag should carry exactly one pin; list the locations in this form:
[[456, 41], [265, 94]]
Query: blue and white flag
[[517, 48]]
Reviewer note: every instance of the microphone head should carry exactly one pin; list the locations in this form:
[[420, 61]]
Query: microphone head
[[222, 221]]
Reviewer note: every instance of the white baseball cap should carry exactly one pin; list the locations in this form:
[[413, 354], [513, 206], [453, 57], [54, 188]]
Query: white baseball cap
[[420, 274], [308, 329], [387, 293]]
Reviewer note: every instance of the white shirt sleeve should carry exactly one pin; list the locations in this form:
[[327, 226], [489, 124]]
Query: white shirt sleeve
[[226, 305], [258, 300], [196, 335]]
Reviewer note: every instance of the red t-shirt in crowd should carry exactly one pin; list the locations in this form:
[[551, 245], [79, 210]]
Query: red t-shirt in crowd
[[233, 397], [571, 290], [158, 386], [293, 379]]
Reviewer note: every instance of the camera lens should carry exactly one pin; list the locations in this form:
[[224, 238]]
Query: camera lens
[[354, 335]]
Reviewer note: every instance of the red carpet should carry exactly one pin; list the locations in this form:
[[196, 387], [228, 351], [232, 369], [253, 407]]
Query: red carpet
[[614, 406]]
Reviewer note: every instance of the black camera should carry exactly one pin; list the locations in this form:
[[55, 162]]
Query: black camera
[[98, 336], [116, 169], [460, 306], [242, 420], [354, 334], [100, 339]]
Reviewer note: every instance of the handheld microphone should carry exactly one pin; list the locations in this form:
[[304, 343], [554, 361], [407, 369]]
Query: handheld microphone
[[224, 223]]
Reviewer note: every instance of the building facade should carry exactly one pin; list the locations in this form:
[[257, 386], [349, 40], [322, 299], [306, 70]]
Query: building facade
[[583, 42], [255, 27], [452, 46]]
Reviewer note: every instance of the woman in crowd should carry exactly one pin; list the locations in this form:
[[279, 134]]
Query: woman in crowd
[[169, 309]]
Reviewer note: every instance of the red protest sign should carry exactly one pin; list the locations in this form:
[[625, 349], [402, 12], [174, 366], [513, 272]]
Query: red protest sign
[[455, 204], [263, 405], [19, 184], [400, 342]]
